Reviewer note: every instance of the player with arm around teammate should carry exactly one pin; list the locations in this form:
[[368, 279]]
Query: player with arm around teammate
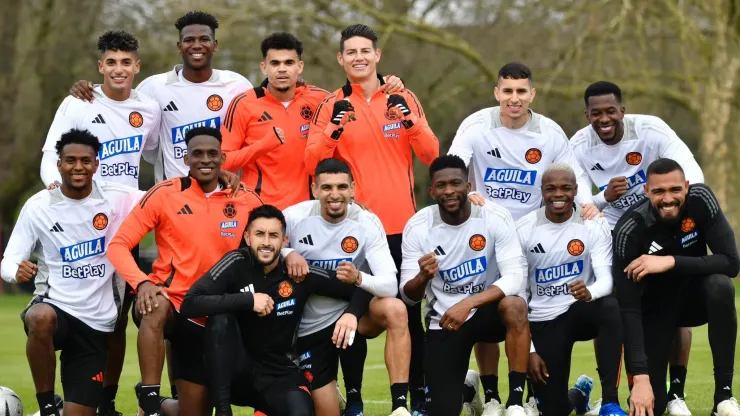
[[453, 254], [569, 283], [665, 279]]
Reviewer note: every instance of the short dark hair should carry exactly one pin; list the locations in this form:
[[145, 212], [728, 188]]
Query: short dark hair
[[332, 165], [197, 18], [447, 162], [267, 211], [117, 40], [602, 88], [77, 136], [515, 70], [662, 166], [360, 30], [202, 131], [282, 41]]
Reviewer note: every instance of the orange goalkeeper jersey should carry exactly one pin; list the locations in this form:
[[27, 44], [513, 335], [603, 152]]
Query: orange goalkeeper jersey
[[275, 172], [192, 231], [377, 148]]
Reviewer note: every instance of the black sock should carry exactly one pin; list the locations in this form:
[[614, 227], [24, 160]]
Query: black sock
[[173, 391], [108, 403], [490, 387], [398, 395], [418, 398], [468, 393], [353, 364], [149, 400], [678, 381], [722, 388], [46, 403], [516, 388]]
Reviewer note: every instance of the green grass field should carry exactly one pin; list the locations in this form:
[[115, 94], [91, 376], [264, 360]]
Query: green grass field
[[14, 371]]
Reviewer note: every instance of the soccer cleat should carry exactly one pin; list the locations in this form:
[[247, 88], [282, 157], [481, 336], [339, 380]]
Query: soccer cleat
[[475, 406], [342, 400], [530, 408], [494, 408], [419, 412], [58, 403], [353, 409], [515, 411], [612, 409], [584, 385], [401, 411], [728, 407], [677, 407], [595, 409]]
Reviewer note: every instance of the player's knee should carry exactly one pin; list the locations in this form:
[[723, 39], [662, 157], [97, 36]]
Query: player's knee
[[513, 312], [610, 309], [299, 403], [41, 318], [394, 311], [157, 318], [719, 290], [220, 324]]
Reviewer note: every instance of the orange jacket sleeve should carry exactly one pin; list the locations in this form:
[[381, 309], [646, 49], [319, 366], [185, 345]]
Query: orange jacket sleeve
[[234, 134], [320, 145], [142, 219], [238, 159], [421, 136]]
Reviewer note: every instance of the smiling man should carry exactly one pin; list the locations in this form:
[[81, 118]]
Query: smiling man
[[665, 279]]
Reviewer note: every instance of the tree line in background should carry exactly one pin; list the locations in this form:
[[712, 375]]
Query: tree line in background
[[677, 59]]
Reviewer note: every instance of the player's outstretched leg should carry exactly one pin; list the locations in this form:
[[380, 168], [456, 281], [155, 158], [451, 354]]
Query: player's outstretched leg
[[353, 366], [114, 359], [609, 353], [151, 354], [679, 363], [416, 367], [513, 312], [224, 357], [40, 321]]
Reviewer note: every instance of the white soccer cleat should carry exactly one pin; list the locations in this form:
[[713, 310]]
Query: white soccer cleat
[[515, 411], [595, 409], [728, 407], [530, 408], [677, 407], [494, 408], [475, 406], [401, 411]]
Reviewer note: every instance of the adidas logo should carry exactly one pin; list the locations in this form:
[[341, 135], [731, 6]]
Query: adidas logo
[[171, 107], [676, 381], [153, 393], [654, 248], [494, 153], [247, 289], [57, 228], [519, 389], [98, 377], [727, 388], [265, 117], [438, 251], [306, 240], [98, 120], [597, 167], [401, 398], [538, 249], [185, 210]]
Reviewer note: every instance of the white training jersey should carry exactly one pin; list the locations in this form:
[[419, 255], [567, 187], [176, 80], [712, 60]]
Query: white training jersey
[[646, 138], [74, 237], [560, 254], [124, 128], [469, 255], [359, 238], [507, 165], [186, 105]]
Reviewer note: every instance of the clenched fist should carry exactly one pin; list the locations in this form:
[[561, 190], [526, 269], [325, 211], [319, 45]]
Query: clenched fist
[[263, 304], [428, 266]]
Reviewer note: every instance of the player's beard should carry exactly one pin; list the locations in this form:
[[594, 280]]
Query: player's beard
[[672, 219], [462, 198], [265, 262]]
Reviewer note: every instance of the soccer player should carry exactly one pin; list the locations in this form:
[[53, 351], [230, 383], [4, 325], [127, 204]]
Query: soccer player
[[266, 128], [508, 148], [570, 284], [333, 234], [466, 260], [375, 132], [186, 214], [193, 94], [665, 279], [615, 150], [250, 292], [73, 224], [127, 124]]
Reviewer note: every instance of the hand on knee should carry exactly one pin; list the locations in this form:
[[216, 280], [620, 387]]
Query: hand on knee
[[157, 318], [513, 312]]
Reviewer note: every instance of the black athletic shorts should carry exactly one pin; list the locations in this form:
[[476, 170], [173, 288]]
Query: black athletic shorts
[[293, 388], [319, 358], [82, 359]]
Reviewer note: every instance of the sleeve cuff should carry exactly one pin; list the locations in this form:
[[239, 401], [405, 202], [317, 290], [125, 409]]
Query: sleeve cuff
[[285, 251], [599, 200]]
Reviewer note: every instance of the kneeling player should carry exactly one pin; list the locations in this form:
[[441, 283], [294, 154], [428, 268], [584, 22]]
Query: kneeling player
[[253, 313], [78, 310], [333, 234], [569, 285], [453, 253]]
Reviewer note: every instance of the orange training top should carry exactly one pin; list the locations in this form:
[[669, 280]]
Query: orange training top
[[275, 172], [192, 231], [377, 148]]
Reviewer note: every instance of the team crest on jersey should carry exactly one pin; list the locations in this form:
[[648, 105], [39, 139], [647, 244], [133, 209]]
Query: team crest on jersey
[[533, 155], [633, 158], [576, 247], [350, 244], [687, 225], [215, 102], [391, 115], [230, 210], [136, 119], [477, 242], [100, 221], [306, 112], [285, 289]]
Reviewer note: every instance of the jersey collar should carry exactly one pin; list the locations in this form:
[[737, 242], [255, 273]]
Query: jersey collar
[[189, 182], [262, 91], [349, 87]]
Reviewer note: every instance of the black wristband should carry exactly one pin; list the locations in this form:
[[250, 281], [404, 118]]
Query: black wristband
[[336, 133], [407, 124]]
